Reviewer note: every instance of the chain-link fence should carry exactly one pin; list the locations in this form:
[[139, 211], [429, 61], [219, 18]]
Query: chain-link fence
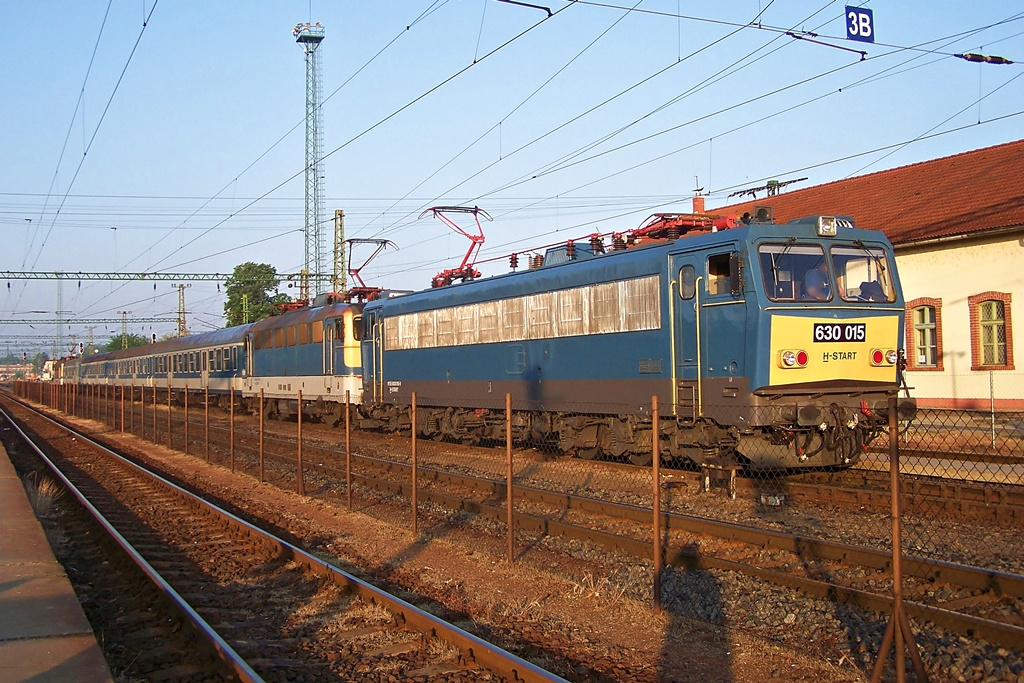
[[816, 473]]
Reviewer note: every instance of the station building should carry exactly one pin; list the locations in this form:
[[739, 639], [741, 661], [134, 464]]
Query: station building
[[957, 225]]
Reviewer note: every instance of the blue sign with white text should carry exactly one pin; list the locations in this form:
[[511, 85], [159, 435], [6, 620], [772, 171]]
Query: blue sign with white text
[[860, 24]]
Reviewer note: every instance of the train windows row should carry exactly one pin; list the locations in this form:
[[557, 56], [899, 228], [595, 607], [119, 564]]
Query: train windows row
[[623, 306], [293, 335], [224, 359]]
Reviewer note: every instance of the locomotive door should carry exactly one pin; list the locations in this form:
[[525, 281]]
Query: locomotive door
[[686, 276], [328, 346], [372, 346], [338, 346]]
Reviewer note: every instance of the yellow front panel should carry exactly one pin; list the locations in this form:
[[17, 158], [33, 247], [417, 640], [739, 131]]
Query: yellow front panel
[[353, 355], [833, 359]]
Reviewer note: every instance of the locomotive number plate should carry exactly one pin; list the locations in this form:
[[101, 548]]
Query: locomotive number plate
[[840, 332]]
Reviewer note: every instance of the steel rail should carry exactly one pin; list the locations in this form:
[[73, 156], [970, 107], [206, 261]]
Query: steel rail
[[473, 648], [1002, 583], [999, 583], [226, 653], [967, 625]]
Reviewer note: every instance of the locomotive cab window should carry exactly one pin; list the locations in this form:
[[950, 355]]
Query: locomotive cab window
[[357, 327], [863, 274], [687, 282], [795, 272], [720, 274]]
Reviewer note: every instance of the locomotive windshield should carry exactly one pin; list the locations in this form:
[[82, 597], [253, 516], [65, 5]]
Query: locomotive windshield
[[795, 272], [863, 274], [801, 272]]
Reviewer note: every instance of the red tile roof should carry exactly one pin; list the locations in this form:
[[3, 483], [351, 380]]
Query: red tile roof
[[956, 195]]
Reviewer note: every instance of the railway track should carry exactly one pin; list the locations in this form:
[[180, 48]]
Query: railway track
[[270, 610], [981, 603]]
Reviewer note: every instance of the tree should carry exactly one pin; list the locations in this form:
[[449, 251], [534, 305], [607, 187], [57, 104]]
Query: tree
[[133, 340], [249, 293], [38, 360]]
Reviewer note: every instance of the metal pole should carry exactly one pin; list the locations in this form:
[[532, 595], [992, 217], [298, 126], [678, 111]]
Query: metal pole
[[122, 409], [301, 487], [348, 449], [156, 433], [186, 418], [131, 407], [656, 506], [415, 525], [169, 431], [206, 418], [898, 628], [142, 410], [508, 477], [261, 436], [992, 404], [231, 426]]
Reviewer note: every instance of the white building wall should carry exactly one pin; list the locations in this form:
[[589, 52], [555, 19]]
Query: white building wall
[[953, 271]]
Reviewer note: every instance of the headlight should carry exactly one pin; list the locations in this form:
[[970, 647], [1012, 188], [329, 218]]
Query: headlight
[[792, 359], [880, 357]]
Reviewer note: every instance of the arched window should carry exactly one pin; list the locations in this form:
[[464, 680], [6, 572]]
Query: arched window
[[992, 324], [923, 334], [991, 332], [925, 349]]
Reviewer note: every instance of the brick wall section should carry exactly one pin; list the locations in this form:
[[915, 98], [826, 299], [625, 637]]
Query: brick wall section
[[973, 303], [910, 339]]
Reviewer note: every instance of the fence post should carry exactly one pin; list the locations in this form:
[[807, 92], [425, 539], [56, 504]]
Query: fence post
[[206, 418], [231, 426], [992, 404], [348, 449], [142, 409], [508, 476], [656, 505], [156, 432], [899, 625], [301, 487], [186, 418], [415, 525], [261, 436], [131, 407], [122, 409], [170, 442]]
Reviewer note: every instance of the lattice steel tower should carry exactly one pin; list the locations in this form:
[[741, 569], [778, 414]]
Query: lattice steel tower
[[309, 37]]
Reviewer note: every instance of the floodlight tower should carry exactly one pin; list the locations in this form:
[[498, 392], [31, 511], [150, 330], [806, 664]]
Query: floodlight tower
[[309, 38]]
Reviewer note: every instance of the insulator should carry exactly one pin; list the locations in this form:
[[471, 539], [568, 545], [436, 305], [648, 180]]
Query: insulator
[[597, 244], [673, 232], [618, 244], [536, 261], [630, 239], [570, 250], [513, 261]]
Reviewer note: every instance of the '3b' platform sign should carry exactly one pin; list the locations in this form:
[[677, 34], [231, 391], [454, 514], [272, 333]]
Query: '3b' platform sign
[[860, 24]]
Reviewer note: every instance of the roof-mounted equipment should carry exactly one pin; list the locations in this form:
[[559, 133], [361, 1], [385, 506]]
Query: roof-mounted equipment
[[363, 292], [465, 271]]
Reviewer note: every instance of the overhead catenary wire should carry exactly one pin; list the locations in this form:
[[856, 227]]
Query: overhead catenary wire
[[605, 102]]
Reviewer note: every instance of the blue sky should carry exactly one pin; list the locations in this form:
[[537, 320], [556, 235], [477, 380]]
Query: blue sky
[[587, 121]]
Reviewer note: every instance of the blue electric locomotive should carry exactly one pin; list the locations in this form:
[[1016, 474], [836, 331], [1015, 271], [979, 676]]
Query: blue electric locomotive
[[777, 345]]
